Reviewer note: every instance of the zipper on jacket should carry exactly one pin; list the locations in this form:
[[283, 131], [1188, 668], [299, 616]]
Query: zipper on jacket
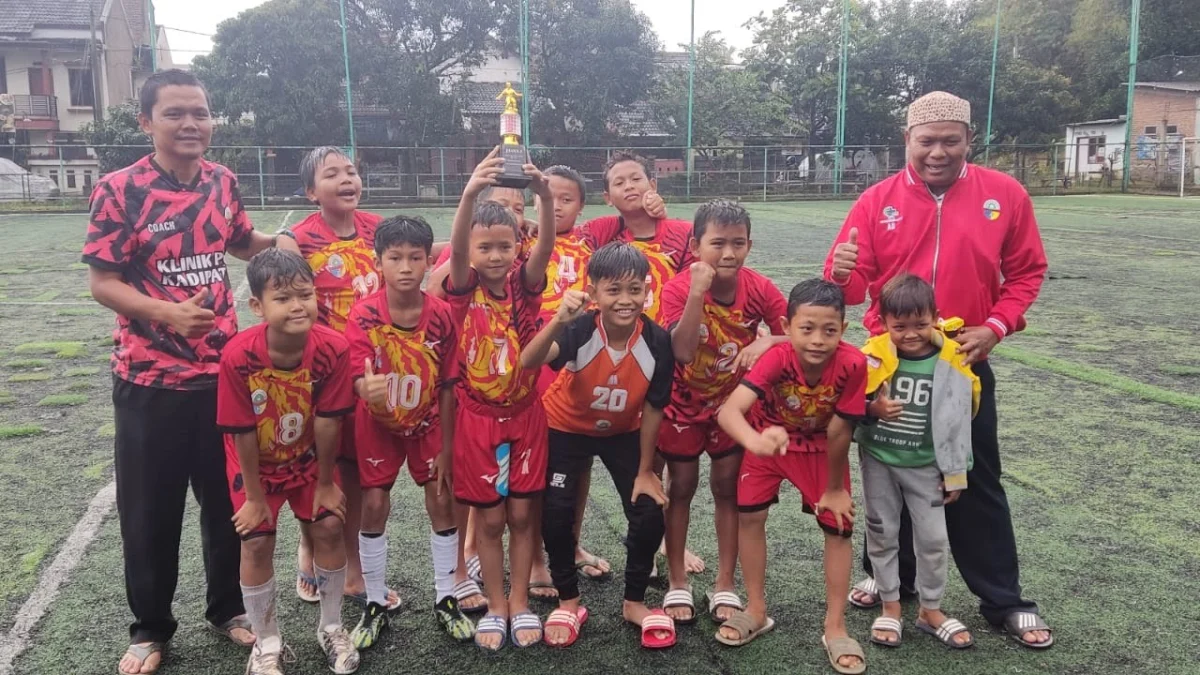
[[937, 241]]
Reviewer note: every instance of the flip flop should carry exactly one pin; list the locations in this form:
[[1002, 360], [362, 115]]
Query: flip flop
[[301, 580], [492, 623], [526, 621], [869, 587], [888, 625], [747, 629], [143, 652], [658, 621], [1018, 624], [681, 597], [465, 589], [946, 632], [226, 629], [360, 599], [543, 585], [719, 599], [593, 561], [845, 646], [561, 618]]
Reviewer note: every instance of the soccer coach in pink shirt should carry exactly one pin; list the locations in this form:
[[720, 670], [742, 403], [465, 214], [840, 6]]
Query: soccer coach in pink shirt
[[971, 233]]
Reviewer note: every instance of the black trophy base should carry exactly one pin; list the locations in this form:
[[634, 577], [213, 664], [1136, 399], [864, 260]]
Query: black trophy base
[[514, 176]]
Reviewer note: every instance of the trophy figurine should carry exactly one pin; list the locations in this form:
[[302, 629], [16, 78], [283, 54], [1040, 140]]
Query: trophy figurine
[[511, 149]]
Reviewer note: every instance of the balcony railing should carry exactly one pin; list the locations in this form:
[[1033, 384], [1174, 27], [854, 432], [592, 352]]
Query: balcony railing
[[34, 107]]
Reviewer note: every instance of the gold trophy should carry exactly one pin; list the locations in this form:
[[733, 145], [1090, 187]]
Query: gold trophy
[[514, 154]]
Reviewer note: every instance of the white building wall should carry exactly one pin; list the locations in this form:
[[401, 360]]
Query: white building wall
[[1078, 159]]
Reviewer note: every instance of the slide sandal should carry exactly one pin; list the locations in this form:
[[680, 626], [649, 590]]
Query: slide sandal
[[658, 630], [845, 646], [561, 618], [887, 624], [681, 597], [747, 629], [946, 632], [303, 583], [721, 599], [526, 621], [492, 624], [469, 588]]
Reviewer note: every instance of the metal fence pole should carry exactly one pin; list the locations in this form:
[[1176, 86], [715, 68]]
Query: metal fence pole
[[764, 173], [262, 184], [1054, 172], [442, 167]]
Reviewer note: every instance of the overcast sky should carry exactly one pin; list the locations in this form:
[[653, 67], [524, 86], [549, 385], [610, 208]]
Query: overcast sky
[[670, 19]]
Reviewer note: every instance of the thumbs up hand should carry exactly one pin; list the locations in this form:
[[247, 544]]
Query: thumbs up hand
[[375, 387], [191, 318], [845, 257], [884, 407]]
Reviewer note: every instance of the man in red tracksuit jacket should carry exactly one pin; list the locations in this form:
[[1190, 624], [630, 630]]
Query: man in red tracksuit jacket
[[970, 232]]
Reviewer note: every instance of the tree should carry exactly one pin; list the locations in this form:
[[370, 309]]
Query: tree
[[588, 59], [729, 101], [118, 128]]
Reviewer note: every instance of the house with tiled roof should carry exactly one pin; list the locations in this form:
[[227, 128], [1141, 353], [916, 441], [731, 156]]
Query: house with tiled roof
[[62, 64]]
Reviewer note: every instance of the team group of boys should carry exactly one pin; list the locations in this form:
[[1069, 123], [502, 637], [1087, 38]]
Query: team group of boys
[[634, 338]]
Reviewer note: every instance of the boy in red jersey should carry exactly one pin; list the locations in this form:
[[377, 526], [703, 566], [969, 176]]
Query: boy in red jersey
[[403, 352], [157, 240], [282, 391], [614, 378], [803, 398], [512, 199], [338, 242], [496, 307], [713, 311]]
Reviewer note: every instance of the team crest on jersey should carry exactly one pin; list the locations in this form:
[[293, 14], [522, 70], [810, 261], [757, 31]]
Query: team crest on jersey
[[991, 209], [603, 425], [793, 402], [259, 399], [228, 213], [891, 216], [335, 265], [873, 361]]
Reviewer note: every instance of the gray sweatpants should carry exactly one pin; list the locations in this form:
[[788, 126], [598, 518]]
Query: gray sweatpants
[[886, 490]]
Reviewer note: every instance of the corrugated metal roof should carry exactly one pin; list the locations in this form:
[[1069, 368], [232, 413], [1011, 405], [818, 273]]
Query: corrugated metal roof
[[1173, 86]]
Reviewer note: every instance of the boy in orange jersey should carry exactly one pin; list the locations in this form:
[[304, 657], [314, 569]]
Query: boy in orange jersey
[[614, 378], [338, 242], [282, 391], [500, 467], [713, 310], [794, 413], [404, 354]]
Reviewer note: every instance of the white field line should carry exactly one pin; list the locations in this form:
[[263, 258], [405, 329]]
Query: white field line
[[243, 289], [53, 577]]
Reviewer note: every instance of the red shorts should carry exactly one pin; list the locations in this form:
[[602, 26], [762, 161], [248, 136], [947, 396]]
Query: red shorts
[[760, 477], [346, 451], [299, 495], [686, 441], [497, 457], [381, 453]]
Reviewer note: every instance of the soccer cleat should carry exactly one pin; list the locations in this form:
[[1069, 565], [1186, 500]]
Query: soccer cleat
[[453, 620], [374, 620], [264, 663], [340, 653]]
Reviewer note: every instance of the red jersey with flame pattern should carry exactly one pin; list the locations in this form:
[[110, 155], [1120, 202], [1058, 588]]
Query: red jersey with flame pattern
[[418, 361], [667, 251], [786, 399], [492, 331], [279, 404], [344, 268], [701, 386], [567, 270]]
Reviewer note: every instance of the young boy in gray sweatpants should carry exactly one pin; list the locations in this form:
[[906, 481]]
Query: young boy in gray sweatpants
[[916, 453]]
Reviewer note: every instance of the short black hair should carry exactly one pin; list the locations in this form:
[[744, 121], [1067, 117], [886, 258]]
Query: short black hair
[[399, 230], [486, 193], [817, 292], [564, 171], [627, 156], [907, 295], [277, 267], [489, 214], [617, 260], [174, 77], [312, 163], [719, 212]]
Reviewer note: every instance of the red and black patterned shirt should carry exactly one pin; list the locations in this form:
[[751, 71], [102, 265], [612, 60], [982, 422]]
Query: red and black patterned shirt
[[168, 241]]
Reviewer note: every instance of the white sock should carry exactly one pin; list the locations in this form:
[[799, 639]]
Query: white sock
[[260, 609], [331, 584], [372, 552], [445, 558]]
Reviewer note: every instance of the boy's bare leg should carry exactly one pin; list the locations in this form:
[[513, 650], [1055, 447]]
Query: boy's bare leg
[[752, 551], [469, 550], [540, 584], [723, 479], [304, 563], [602, 566], [462, 514], [691, 561], [683, 478], [839, 557], [524, 524], [348, 472], [489, 542]]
